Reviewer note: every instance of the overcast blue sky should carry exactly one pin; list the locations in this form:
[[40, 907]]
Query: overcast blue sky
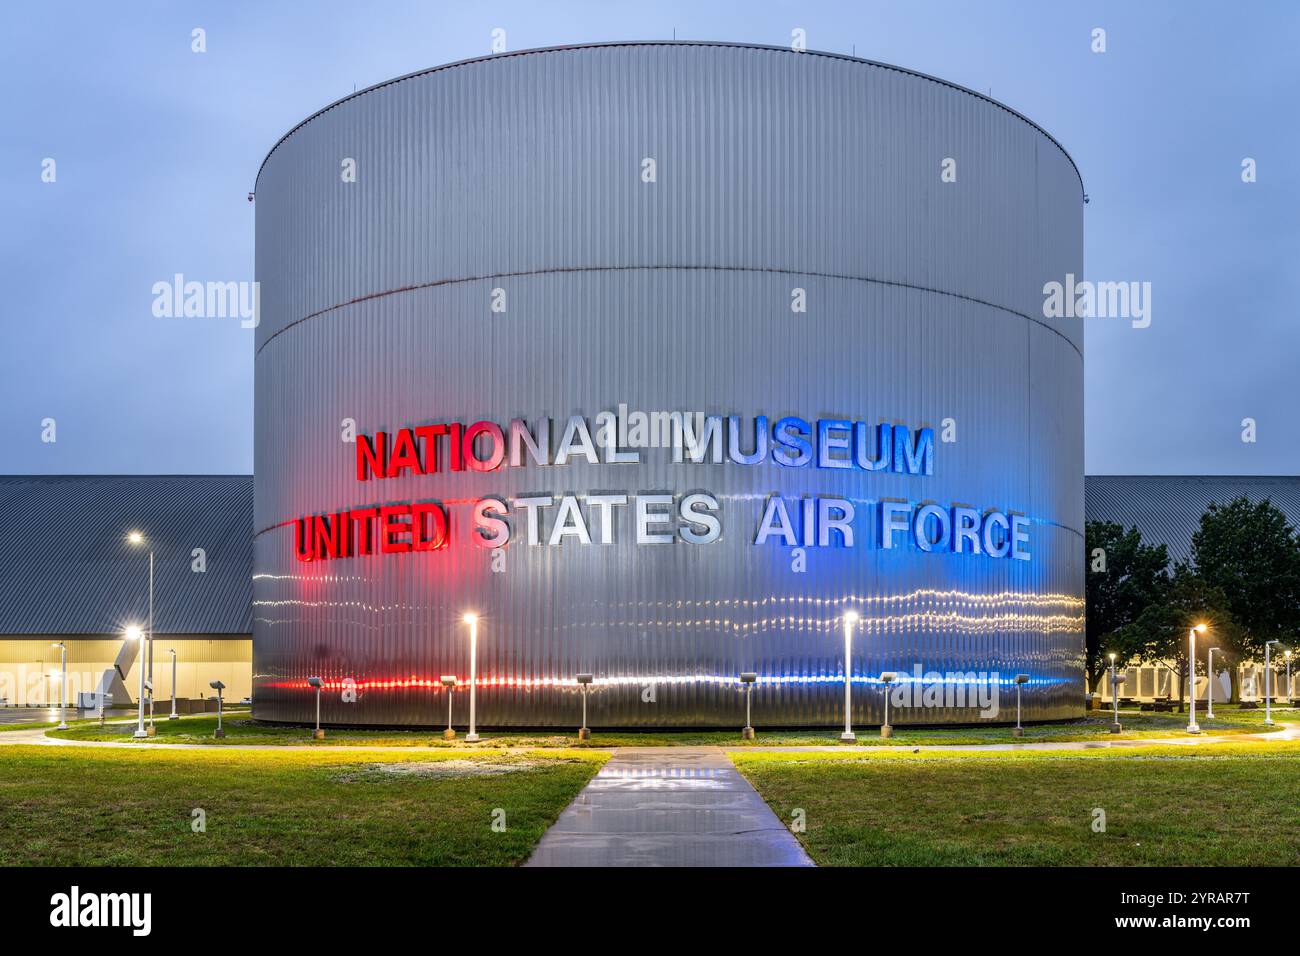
[[157, 147]]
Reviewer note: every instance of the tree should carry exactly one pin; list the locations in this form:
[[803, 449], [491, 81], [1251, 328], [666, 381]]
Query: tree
[[1160, 631], [1251, 554], [1124, 577]]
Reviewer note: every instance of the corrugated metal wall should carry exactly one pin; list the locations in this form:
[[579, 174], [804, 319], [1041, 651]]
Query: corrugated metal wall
[[775, 170]]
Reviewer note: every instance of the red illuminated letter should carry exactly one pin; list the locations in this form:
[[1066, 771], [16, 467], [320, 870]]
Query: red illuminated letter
[[432, 534], [389, 527], [493, 461], [405, 457], [371, 457]]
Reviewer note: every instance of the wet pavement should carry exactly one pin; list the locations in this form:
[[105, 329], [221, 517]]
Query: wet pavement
[[668, 806]]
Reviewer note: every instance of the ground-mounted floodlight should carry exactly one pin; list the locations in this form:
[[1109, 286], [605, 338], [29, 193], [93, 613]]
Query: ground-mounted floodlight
[[1209, 687], [1115, 681], [472, 621], [1268, 710], [133, 634], [584, 681], [173, 715], [887, 678], [1192, 726], [218, 687], [1020, 679], [63, 695], [850, 619], [449, 681], [319, 685], [748, 678]]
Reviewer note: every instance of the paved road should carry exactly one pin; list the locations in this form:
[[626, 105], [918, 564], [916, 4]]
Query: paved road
[[668, 806]]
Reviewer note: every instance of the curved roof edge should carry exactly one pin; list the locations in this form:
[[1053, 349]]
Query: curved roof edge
[[631, 43]]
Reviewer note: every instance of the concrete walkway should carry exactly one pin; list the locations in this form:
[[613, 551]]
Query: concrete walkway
[[668, 806]]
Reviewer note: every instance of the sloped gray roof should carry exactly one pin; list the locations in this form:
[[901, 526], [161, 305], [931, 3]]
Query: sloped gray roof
[[1167, 509], [66, 567]]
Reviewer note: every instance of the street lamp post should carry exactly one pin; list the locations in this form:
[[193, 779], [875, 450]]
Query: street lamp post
[[850, 618], [1268, 667], [173, 715], [135, 537], [449, 682], [1115, 681], [472, 621], [133, 634], [1209, 687], [1192, 726], [1020, 679], [63, 694]]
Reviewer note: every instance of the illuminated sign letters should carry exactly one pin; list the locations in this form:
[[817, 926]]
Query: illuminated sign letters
[[544, 520]]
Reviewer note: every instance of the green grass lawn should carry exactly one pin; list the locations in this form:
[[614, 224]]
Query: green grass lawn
[[240, 729], [1221, 804], [86, 807]]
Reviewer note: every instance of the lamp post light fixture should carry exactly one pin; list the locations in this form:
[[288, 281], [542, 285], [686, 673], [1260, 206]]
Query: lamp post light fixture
[[218, 687], [1209, 686], [584, 681], [472, 621], [63, 694], [133, 634], [449, 681], [173, 715], [850, 618], [887, 678], [1192, 726], [135, 537], [748, 678], [1268, 667], [319, 684], [1115, 681], [1020, 679]]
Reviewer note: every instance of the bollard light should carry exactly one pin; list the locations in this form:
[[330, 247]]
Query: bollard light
[[584, 681], [318, 684], [1192, 726], [1115, 681], [449, 681], [1020, 679], [748, 678], [218, 687], [472, 621], [850, 618], [63, 695], [1268, 667], [133, 634], [887, 678]]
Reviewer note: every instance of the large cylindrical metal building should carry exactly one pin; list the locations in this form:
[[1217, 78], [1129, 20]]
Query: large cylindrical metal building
[[847, 257]]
